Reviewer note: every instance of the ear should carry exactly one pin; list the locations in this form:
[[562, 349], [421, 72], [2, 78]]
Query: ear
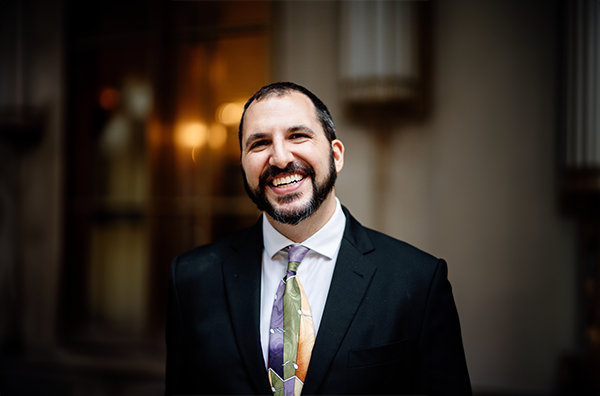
[[338, 154]]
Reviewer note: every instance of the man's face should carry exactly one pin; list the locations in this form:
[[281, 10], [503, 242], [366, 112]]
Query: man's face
[[288, 164]]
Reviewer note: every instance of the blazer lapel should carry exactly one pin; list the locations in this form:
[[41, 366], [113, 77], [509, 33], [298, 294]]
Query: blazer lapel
[[241, 275], [351, 277]]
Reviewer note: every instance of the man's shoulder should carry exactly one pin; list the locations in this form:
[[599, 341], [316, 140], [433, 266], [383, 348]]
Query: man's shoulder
[[397, 260], [208, 256], [389, 245], [372, 242]]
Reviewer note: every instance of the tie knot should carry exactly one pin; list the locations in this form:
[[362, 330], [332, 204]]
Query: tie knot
[[295, 256]]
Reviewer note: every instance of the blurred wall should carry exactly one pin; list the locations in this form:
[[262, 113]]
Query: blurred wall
[[475, 183]]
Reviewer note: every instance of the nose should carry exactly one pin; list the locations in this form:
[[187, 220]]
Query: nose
[[281, 156]]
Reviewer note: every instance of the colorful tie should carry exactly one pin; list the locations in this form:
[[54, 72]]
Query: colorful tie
[[292, 334]]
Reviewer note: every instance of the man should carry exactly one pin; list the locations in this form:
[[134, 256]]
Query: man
[[382, 311]]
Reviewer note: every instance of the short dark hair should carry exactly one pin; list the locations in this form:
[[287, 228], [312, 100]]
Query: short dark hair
[[283, 88]]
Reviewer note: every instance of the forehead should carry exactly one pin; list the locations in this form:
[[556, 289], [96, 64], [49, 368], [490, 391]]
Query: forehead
[[276, 112]]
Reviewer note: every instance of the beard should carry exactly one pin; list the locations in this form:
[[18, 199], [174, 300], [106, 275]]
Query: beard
[[320, 191]]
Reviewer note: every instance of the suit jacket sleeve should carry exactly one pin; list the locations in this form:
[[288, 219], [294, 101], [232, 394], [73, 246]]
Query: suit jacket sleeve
[[442, 363]]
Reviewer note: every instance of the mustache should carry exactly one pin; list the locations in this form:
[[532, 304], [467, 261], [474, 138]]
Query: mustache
[[292, 167]]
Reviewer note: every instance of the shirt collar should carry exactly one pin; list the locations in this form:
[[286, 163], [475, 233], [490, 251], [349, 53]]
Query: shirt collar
[[325, 241]]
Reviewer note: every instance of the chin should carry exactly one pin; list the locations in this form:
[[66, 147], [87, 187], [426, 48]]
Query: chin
[[296, 205], [292, 213]]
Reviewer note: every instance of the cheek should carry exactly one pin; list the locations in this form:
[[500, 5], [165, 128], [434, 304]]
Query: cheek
[[252, 169], [324, 162], [313, 156]]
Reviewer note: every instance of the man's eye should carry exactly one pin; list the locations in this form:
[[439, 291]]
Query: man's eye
[[298, 136], [258, 143]]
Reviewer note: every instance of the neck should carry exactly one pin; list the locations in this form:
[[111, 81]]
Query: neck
[[306, 228]]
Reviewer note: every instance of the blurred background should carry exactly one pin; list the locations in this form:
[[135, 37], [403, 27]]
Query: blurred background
[[471, 131]]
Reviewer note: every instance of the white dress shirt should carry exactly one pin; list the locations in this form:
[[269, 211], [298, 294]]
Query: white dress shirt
[[315, 271]]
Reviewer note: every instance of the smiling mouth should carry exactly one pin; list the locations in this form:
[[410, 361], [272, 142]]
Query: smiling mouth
[[287, 180]]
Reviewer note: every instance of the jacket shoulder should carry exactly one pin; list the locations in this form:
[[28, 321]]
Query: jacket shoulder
[[392, 246], [384, 248], [374, 243], [207, 257]]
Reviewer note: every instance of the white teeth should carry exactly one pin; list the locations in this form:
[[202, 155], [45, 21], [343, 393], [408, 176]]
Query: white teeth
[[286, 180]]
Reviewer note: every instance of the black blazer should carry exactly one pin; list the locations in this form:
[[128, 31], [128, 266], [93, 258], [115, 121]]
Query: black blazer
[[390, 325]]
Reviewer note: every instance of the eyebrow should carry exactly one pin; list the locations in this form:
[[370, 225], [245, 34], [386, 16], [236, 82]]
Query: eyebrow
[[294, 128], [301, 128]]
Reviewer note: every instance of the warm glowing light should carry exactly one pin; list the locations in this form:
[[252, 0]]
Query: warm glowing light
[[230, 113], [218, 136], [192, 134], [109, 98]]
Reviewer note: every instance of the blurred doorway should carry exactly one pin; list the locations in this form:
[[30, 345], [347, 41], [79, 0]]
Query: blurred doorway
[[155, 92]]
